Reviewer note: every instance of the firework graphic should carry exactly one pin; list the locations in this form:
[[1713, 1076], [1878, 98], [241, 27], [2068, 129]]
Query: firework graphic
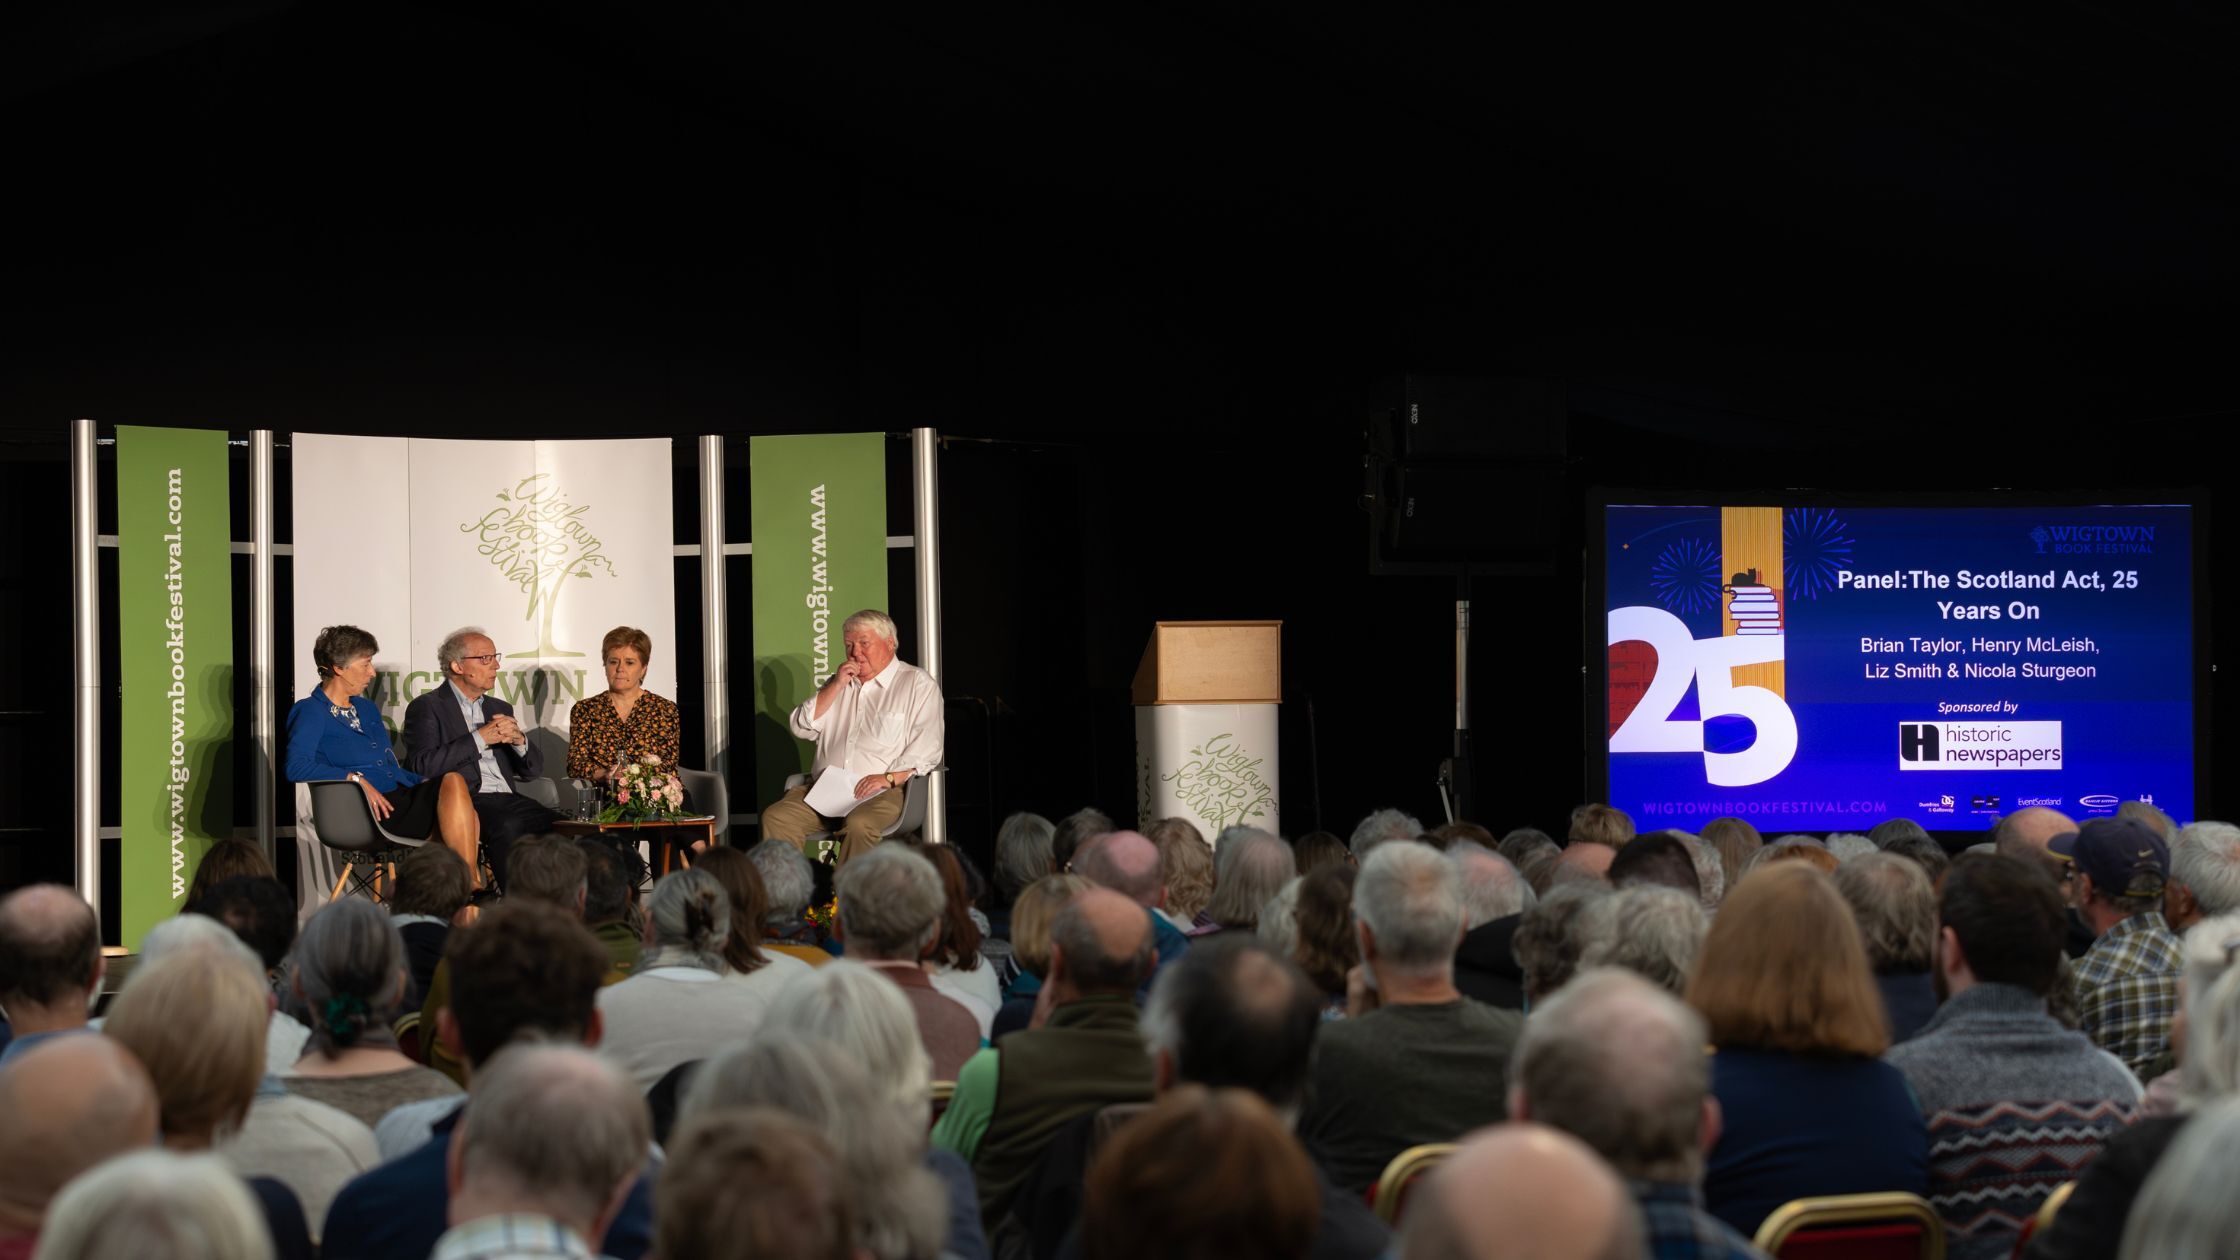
[[1815, 546], [1686, 576]]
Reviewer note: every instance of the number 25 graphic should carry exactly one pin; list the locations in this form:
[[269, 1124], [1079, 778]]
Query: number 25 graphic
[[1710, 663]]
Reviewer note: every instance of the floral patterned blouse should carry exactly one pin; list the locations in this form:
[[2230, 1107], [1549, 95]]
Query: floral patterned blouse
[[598, 740]]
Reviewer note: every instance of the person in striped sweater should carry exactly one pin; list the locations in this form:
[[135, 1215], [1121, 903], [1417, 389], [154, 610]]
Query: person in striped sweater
[[2015, 1103]]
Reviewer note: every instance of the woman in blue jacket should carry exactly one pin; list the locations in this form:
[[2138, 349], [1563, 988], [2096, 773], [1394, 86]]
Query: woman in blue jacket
[[336, 733]]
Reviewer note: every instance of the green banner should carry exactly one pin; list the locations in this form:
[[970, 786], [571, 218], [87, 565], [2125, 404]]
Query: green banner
[[175, 638], [819, 524]]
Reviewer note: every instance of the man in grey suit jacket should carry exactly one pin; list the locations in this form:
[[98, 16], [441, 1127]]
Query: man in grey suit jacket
[[461, 726]]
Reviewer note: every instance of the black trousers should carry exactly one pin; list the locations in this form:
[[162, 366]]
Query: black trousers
[[507, 816]]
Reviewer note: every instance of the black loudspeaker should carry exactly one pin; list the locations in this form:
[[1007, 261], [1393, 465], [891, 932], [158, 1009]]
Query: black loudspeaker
[[1467, 470]]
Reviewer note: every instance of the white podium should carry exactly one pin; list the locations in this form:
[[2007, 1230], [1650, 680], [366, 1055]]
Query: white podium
[[1206, 696]]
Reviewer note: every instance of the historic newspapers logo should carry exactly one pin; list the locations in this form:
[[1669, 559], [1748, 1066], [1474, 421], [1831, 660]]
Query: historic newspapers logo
[[1979, 745]]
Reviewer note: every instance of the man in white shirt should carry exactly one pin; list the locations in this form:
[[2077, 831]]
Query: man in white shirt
[[878, 720]]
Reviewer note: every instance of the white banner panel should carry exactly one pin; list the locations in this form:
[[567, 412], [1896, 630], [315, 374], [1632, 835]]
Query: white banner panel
[[544, 545], [1214, 764]]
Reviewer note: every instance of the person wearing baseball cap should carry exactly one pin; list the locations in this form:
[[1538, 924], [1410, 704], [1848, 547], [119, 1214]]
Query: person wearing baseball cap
[[2127, 983]]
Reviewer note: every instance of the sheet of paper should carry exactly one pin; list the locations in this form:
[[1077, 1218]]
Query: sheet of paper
[[834, 793]]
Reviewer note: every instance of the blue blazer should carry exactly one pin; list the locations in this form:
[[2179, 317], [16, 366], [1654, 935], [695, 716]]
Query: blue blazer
[[437, 741], [323, 746]]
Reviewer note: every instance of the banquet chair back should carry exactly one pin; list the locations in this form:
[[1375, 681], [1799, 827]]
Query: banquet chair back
[[1884, 1226]]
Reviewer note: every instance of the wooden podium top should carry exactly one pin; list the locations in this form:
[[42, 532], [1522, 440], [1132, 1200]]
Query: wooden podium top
[[1212, 662]]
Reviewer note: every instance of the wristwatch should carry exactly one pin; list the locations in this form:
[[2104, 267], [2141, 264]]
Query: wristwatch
[[890, 778]]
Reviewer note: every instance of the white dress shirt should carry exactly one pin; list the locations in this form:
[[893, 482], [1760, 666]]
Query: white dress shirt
[[892, 722]]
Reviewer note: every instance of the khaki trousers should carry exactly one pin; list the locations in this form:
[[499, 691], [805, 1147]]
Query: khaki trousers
[[790, 819]]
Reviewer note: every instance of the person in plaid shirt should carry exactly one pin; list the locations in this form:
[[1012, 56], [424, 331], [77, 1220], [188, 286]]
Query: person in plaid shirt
[[2127, 984]]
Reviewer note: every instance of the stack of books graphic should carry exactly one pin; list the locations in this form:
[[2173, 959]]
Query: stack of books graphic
[[1755, 610]]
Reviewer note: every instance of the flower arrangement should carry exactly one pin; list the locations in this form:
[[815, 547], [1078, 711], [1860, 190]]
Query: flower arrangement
[[644, 792]]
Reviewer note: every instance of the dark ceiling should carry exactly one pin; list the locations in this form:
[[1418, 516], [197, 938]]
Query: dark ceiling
[[1209, 221]]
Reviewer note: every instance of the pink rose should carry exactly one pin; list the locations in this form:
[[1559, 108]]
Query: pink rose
[[622, 796]]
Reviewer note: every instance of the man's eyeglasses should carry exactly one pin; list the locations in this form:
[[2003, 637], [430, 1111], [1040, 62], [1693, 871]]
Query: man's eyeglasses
[[492, 657]]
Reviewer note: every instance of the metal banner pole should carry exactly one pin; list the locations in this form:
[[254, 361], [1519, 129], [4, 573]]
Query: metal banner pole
[[263, 662], [85, 653], [925, 477], [715, 652]]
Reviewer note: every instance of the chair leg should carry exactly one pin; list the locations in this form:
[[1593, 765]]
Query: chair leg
[[339, 881]]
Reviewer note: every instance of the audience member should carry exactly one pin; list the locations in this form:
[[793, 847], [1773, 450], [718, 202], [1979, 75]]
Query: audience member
[[1086, 1053], [1849, 847], [1582, 863], [1735, 841], [50, 965], [1711, 876], [349, 975], [955, 963], [524, 971], [1448, 834], [1553, 935], [1380, 826], [261, 913], [1522, 1190], [1030, 946], [1234, 1015], [1618, 1063], [1605, 825], [1922, 852], [1185, 867], [763, 970], [1897, 915], [1495, 897], [1129, 864], [1408, 1065], [546, 1155], [1808, 1105], [2186, 1210], [1326, 948], [158, 1204], [311, 1148], [433, 886], [1279, 925], [65, 1107], [1526, 845], [790, 883], [2092, 1223], [2146, 815], [2024, 834], [2204, 874], [547, 867], [1249, 866], [609, 877], [680, 1004], [197, 1023], [868, 1022], [890, 915], [1889, 831], [2127, 986], [1203, 1175], [1803, 849], [1071, 831], [1317, 849], [1655, 859], [230, 858], [1023, 856], [894, 1204], [1650, 930], [2015, 1103], [752, 1183]]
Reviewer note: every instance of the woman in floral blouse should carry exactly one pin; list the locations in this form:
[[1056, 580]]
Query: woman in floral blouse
[[624, 722]]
